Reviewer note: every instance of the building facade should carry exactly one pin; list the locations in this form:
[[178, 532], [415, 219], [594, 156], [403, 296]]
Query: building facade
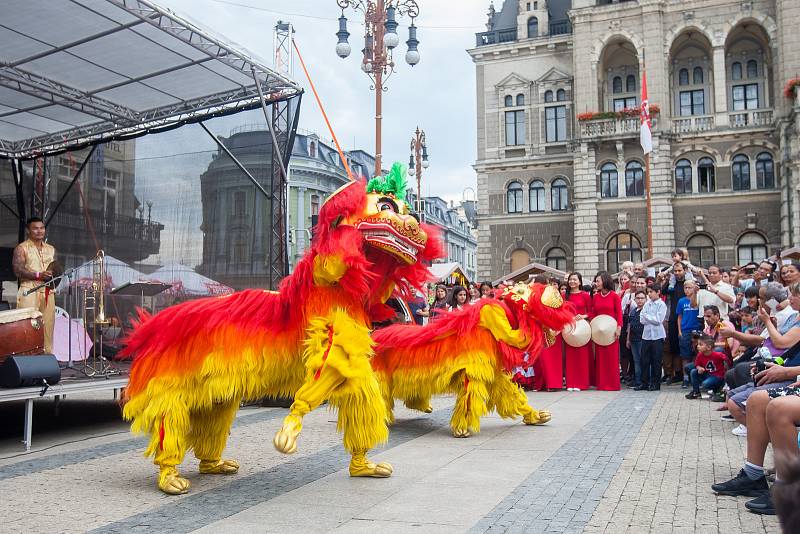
[[560, 170], [99, 211]]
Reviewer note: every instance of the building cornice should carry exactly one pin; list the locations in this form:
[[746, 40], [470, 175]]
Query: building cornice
[[528, 162], [548, 45], [525, 218]]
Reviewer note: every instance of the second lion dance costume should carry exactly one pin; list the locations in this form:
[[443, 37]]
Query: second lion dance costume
[[194, 363]]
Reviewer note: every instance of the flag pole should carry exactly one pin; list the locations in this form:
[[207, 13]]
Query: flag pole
[[644, 105]]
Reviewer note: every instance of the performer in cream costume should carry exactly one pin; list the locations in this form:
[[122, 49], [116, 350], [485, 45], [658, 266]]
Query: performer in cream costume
[[31, 259]]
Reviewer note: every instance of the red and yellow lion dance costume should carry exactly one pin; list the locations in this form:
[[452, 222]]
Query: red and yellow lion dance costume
[[471, 353], [194, 363]]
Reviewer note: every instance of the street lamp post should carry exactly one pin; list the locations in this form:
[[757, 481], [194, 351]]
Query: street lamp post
[[380, 38], [416, 162]]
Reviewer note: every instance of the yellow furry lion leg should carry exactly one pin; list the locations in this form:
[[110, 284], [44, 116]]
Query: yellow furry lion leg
[[510, 401], [471, 405], [210, 430], [170, 448]]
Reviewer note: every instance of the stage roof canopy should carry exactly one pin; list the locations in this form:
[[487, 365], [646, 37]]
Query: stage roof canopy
[[78, 72]]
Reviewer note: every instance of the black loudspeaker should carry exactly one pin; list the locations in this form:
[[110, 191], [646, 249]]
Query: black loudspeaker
[[26, 371]]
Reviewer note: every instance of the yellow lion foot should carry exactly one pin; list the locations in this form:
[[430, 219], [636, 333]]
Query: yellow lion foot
[[171, 482], [219, 467], [461, 433], [537, 418], [286, 439], [360, 466], [421, 405]]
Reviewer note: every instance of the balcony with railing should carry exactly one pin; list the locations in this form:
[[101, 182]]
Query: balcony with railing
[[612, 127], [555, 28], [693, 124], [751, 118]]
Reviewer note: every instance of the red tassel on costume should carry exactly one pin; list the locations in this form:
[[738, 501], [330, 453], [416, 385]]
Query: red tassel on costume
[[161, 435], [327, 351]]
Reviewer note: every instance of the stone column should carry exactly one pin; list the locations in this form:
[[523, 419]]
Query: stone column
[[586, 247], [720, 88]]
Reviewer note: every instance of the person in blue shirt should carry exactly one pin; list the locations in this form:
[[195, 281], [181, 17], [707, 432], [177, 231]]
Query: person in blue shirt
[[688, 322]]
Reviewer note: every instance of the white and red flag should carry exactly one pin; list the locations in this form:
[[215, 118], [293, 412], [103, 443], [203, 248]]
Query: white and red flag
[[645, 136]]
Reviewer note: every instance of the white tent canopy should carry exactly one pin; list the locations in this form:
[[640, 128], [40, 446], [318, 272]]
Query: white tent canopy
[[79, 72], [450, 272], [117, 273], [187, 282]]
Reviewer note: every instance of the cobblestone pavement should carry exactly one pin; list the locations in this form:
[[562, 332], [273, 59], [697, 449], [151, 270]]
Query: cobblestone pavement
[[608, 462]]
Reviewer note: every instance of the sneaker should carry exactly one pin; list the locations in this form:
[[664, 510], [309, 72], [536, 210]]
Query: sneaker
[[761, 504], [685, 384], [742, 485], [664, 379], [641, 387], [727, 417], [718, 397], [654, 388], [576, 389], [740, 430], [693, 395]]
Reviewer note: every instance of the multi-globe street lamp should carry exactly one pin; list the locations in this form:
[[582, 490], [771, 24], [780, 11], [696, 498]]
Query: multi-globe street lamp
[[380, 39], [417, 161]]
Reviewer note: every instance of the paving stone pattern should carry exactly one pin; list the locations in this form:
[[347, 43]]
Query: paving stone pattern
[[562, 494], [54, 461], [199, 509], [664, 483]]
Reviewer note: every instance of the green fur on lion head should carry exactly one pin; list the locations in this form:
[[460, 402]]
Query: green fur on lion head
[[393, 183]]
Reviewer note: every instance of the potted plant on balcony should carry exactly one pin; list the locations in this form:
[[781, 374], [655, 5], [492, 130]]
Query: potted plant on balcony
[[790, 89], [622, 114]]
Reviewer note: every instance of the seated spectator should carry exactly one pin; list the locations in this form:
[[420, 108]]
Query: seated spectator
[[713, 325], [746, 319], [687, 323], [708, 369], [787, 494], [773, 376], [772, 416]]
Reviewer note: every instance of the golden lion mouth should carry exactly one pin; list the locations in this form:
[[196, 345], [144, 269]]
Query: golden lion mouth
[[382, 234]]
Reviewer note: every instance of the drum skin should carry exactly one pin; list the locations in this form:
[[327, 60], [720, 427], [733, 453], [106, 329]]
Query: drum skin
[[21, 333]]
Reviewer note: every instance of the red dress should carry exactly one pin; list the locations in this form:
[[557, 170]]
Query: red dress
[[579, 358], [607, 358], [552, 370]]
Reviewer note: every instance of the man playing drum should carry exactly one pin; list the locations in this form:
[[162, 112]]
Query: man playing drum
[[32, 261]]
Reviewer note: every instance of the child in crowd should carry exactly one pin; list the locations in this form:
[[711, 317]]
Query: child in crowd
[[746, 318], [652, 317], [688, 322], [634, 338], [708, 371], [679, 255]]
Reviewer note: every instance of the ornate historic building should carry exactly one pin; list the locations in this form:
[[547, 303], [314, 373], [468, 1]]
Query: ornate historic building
[[560, 169]]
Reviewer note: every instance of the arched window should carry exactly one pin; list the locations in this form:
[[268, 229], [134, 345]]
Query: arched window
[[312, 149], [736, 70], [520, 99], [556, 258], [622, 247], [509, 101], [634, 179], [616, 84], [548, 96], [683, 176], [630, 84], [752, 69], [559, 195], [519, 259], [536, 198], [765, 171], [740, 173], [697, 76], [533, 27], [608, 181], [706, 176], [561, 95], [314, 205], [701, 250], [751, 247], [514, 197], [683, 77]]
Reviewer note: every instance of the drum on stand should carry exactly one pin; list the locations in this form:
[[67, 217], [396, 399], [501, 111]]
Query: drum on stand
[[21, 332]]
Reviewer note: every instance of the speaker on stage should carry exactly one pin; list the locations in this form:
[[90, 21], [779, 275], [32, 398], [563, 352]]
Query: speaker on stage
[[26, 371]]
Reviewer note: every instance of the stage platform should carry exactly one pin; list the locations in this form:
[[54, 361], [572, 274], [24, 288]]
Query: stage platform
[[73, 381]]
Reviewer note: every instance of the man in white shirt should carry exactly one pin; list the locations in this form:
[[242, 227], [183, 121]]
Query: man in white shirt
[[716, 293], [652, 317]]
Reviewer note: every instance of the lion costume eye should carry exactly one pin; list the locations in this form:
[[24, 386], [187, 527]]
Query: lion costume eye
[[385, 204]]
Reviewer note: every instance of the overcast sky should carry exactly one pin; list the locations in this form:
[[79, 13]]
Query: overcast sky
[[438, 94]]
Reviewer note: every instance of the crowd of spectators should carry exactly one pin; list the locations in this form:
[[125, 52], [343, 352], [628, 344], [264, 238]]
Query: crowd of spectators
[[727, 336]]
